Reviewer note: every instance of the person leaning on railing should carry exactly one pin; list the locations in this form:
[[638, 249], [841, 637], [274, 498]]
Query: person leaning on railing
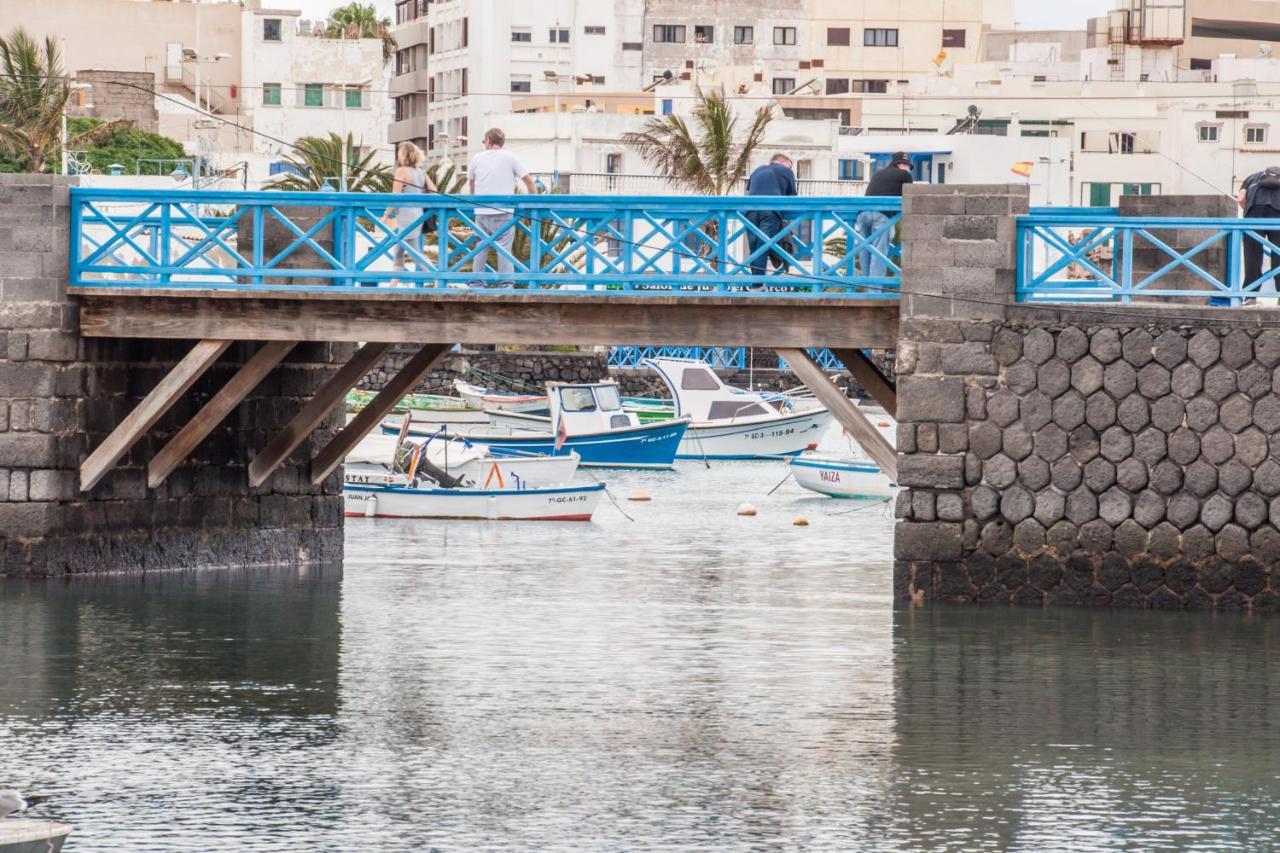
[[1259, 198], [889, 181], [412, 179], [775, 178]]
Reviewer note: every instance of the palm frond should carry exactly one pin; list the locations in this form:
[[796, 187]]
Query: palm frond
[[318, 160]]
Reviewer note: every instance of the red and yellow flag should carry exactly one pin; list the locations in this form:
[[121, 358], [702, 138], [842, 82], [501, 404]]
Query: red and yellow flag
[[1023, 168]]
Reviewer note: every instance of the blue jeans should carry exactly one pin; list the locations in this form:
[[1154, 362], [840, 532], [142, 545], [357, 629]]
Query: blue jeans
[[867, 223], [770, 223]]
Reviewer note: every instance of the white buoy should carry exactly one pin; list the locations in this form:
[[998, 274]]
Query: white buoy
[[746, 509], [371, 506], [639, 495], [800, 521]]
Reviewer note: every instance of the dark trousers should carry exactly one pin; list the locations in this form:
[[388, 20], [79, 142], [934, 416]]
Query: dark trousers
[[1253, 249], [769, 223]]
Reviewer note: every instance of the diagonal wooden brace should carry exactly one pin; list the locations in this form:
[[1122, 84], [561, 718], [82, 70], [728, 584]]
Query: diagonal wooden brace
[[869, 377], [371, 415], [844, 410], [216, 410], [153, 406], [313, 413]]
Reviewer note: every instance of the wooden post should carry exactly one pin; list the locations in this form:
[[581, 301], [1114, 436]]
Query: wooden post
[[869, 377], [371, 415], [849, 416], [218, 407], [313, 413], [152, 407]]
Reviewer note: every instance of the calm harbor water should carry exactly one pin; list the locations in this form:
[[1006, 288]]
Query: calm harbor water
[[687, 680]]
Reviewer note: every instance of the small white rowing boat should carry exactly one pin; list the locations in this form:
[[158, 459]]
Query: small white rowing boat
[[373, 460], [845, 478], [479, 398], [566, 503]]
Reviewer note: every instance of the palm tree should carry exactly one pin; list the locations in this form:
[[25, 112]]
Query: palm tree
[[361, 21], [317, 163], [708, 159], [33, 95], [449, 180]]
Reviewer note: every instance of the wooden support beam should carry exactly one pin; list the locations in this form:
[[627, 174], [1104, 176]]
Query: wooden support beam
[[371, 415], [153, 406], [314, 412], [869, 377], [848, 414], [217, 409], [490, 317]]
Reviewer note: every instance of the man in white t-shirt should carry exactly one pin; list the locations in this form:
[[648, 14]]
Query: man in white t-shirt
[[494, 172]]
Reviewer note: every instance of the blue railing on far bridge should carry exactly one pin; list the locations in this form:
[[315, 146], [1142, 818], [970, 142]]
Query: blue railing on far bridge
[[1075, 255], [602, 245], [724, 358]]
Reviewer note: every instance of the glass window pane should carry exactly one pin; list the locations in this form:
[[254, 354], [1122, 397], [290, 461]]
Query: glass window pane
[[313, 95], [607, 397], [355, 98], [577, 400]]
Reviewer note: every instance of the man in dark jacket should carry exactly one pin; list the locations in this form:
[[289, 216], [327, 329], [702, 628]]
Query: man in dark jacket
[[871, 224], [775, 178], [1259, 198]]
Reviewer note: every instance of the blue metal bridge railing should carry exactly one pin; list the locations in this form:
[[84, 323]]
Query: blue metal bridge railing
[[602, 245], [1074, 255]]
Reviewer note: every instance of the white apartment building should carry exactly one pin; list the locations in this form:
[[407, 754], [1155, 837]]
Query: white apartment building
[[258, 64]]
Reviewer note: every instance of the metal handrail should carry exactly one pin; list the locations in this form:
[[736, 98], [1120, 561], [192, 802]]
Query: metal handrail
[[602, 245]]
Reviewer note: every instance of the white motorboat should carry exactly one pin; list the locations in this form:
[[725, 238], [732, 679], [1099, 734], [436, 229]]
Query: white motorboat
[[479, 398], [842, 478], [373, 462], [734, 423], [32, 835], [564, 503]]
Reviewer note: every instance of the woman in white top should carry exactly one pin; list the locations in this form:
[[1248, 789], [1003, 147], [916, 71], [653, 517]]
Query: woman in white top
[[409, 178]]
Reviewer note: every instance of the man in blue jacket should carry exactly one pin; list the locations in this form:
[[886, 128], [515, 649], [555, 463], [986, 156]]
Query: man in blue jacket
[[775, 178]]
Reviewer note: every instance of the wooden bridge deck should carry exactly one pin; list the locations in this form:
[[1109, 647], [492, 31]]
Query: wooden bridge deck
[[487, 317]]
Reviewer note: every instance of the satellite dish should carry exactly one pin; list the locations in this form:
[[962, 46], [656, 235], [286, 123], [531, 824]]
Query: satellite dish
[[1264, 49], [710, 66]]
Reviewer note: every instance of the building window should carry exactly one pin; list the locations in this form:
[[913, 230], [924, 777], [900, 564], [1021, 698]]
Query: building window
[[521, 35], [271, 94], [875, 87], [744, 35], [1207, 133], [704, 35], [879, 37], [668, 33], [837, 86], [784, 35], [783, 85], [1201, 64], [596, 80], [558, 36], [838, 36], [953, 38], [521, 84], [1255, 135], [850, 170], [272, 29], [354, 98], [313, 95], [632, 45], [593, 31]]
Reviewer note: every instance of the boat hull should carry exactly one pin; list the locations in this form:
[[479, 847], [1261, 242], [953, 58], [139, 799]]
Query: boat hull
[[755, 438], [844, 479], [31, 835], [644, 446], [570, 503]]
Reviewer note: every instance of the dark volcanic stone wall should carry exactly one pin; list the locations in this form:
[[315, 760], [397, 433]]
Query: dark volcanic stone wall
[[1077, 463]]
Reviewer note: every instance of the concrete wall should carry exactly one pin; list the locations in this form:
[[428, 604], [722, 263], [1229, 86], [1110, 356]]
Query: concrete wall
[[60, 395], [111, 102], [1125, 456]]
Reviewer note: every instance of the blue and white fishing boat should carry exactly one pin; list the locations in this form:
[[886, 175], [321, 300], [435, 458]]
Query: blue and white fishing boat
[[734, 423], [842, 478], [586, 419]]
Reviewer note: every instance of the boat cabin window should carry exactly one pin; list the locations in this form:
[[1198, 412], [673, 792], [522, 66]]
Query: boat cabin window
[[577, 400], [607, 397], [619, 421], [734, 409], [698, 379]]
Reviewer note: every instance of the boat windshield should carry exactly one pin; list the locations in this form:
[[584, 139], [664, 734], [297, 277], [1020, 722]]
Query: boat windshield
[[577, 400], [607, 396], [698, 379]]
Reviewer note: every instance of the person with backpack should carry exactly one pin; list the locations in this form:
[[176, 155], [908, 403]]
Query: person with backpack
[[1259, 198]]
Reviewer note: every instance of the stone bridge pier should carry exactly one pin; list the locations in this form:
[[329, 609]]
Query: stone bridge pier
[[1122, 455]]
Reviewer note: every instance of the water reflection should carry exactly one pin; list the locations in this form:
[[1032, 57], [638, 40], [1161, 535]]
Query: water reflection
[[686, 680]]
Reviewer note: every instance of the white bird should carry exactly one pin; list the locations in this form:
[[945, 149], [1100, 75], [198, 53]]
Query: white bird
[[11, 802]]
